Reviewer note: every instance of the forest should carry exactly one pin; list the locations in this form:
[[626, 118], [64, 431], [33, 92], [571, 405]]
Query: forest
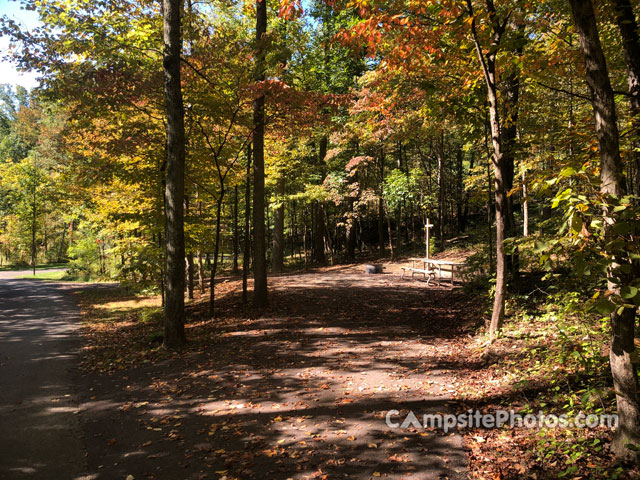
[[224, 162]]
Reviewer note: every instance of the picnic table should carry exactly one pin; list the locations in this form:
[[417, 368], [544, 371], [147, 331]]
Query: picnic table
[[431, 268]]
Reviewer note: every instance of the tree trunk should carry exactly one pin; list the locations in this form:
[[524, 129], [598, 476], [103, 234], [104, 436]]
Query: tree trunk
[[488, 63], [260, 298], [389, 232], [34, 216], [317, 249], [61, 248], [625, 379], [318, 226], [440, 155], [235, 229], [278, 229], [216, 249], [199, 253], [246, 254], [459, 189], [351, 231], [190, 273], [509, 130], [174, 335], [628, 26], [465, 196], [381, 204], [525, 206]]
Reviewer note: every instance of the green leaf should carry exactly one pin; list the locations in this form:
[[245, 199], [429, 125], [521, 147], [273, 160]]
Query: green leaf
[[628, 292], [576, 223], [604, 306]]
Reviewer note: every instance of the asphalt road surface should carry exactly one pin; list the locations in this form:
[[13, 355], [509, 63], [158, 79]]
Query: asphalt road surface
[[40, 434]]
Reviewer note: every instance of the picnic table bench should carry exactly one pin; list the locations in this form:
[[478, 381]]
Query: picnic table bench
[[431, 268], [425, 270]]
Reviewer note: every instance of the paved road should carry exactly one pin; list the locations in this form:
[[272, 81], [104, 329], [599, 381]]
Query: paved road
[[40, 435]]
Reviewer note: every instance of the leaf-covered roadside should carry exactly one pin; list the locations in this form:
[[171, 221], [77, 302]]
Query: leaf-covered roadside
[[554, 361]]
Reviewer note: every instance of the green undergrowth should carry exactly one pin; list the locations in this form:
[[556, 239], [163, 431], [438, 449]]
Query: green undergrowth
[[552, 357]]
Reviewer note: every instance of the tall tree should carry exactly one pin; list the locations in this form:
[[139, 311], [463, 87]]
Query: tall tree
[[628, 26], [612, 187], [259, 248], [174, 335], [498, 158]]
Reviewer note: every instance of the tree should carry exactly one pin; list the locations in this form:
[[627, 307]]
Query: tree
[[612, 188], [628, 27], [174, 335], [498, 159], [259, 248]]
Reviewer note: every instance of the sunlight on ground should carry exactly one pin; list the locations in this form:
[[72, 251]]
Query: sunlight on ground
[[131, 303]]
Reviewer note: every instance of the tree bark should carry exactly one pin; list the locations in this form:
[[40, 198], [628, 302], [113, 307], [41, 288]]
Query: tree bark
[[459, 190], [236, 241], [488, 64], [389, 232], [278, 229], [190, 273], [62, 238], [381, 204], [525, 206], [174, 335], [628, 26], [625, 379], [246, 254], [317, 249], [440, 157], [351, 232], [216, 250], [260, 298], [34, 217]]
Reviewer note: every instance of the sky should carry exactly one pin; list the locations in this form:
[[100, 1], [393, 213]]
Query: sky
[[27, 19]]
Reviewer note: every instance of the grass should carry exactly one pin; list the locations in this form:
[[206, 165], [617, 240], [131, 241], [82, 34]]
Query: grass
[[26, 268], [57, 275]]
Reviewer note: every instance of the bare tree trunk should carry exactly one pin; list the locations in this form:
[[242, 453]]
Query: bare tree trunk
[[351, 232], [525, 206], [235, 229], [319, 256], [200, 273], [465, 195], [189, 256], [625, 378], [278, 229], [61, 248], [388, 215], [294, 229], [628, 26], [260, 298], [34, 217], [163, 296], [381, 204], [304, 242], [488, 63], [214, 268], [174, 335], [459, 189], [246, 254], [440, 155]]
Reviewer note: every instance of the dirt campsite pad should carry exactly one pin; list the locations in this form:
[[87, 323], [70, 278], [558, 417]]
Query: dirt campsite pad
[[300, 391]]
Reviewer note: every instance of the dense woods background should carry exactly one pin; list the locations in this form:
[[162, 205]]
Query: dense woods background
[[320, 132]]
